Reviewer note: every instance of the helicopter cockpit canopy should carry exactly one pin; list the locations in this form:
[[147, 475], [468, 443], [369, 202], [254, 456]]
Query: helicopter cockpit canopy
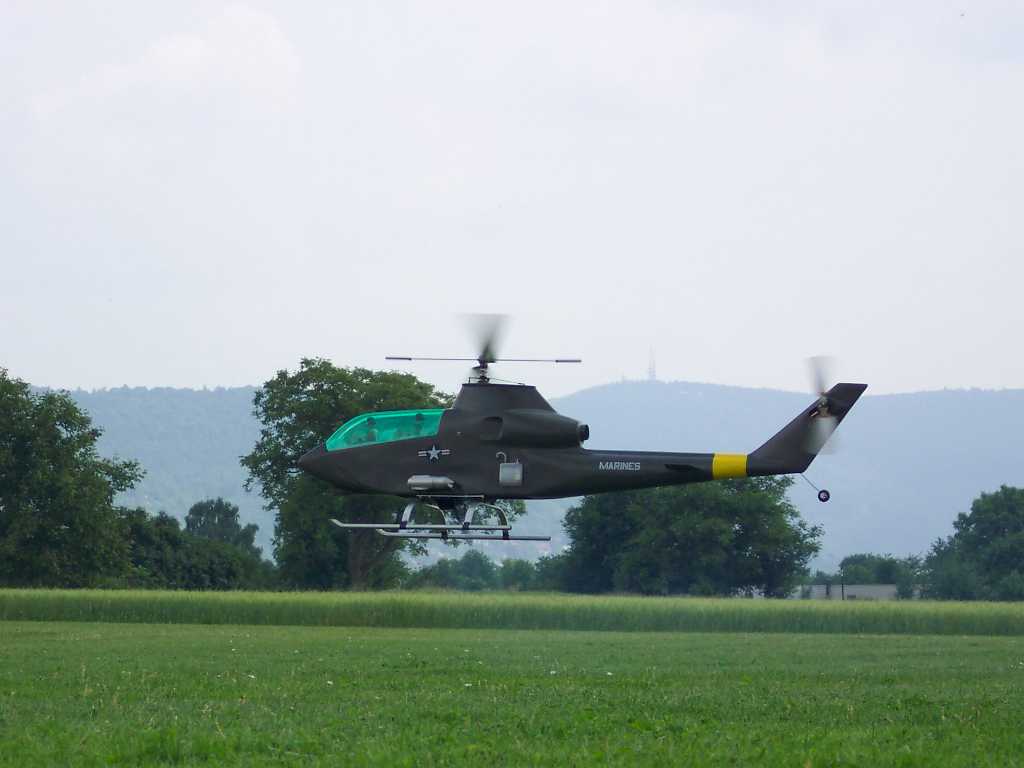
[[385, 427]]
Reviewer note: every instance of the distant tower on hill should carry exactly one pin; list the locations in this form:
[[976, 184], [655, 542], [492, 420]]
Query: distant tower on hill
[[652, 374]]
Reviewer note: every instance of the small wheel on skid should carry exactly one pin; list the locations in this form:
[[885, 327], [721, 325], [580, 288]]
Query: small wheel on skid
[[824, 495]]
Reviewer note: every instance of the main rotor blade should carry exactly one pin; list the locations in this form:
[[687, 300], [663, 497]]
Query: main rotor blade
[[538, 360], [458, 359], [494, 360]]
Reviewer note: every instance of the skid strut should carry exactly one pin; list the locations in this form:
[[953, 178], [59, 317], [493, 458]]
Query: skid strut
[[463, 530]]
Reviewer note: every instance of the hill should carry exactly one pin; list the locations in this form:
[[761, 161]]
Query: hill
[[906, 465], [188, 441]]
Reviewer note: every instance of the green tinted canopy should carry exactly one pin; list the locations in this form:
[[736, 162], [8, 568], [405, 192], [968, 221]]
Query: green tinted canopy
[[385, 427]]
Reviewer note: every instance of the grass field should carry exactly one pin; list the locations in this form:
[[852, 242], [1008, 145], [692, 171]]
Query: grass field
[[124, 694], [514, 611]]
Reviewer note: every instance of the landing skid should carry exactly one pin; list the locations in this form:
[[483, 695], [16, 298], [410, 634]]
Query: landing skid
[[461, 508]]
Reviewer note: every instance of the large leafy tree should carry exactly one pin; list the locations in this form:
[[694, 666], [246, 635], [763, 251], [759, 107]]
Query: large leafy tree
[[298, 410], [58, 523], [218, 519], [984, 558], [710, 538]]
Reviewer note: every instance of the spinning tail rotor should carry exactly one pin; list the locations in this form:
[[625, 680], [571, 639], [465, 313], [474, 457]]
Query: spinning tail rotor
[[824, 421], [793, 448]]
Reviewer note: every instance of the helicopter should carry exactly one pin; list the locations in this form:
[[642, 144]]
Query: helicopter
[[503, 441]]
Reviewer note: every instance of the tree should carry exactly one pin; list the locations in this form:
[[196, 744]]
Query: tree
[[598, 529], [867, 568], [551, 573], [984, 558], [217, 519], [297, 411], [516, 574], [948, 575], [477, 571], [313, 554], [309, 553], [711, 538], [163, 556], [473, 572], [58, 523], [908, 578]]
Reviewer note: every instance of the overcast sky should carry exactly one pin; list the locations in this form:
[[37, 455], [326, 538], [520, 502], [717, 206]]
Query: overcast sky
[[197, 194]]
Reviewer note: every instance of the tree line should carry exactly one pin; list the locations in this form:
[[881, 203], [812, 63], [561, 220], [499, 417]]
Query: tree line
[[60, 526], [983, 559]]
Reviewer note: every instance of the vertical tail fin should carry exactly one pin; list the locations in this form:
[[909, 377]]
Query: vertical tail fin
[[794, 447]]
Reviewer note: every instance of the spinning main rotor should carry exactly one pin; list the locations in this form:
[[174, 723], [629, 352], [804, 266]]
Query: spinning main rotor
[[488, 329]]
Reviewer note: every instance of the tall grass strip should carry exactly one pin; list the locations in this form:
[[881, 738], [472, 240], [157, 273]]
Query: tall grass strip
[[455, 610]]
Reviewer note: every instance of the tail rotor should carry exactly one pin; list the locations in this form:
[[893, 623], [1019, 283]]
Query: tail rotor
[[823, 422]]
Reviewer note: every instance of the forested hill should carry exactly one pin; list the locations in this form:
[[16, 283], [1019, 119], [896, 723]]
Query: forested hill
[[188, 441], [906, 464]]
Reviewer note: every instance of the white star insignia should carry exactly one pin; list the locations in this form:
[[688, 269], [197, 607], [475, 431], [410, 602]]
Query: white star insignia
[[433, 453]]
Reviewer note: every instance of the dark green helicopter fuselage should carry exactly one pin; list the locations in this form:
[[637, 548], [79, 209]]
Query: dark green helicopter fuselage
[[504, 441]]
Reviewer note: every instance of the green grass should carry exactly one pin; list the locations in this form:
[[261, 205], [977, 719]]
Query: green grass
[[514, 611], [87, 694]]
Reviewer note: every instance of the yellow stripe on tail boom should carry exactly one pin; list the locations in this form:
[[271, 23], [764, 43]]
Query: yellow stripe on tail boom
[[728, 465]]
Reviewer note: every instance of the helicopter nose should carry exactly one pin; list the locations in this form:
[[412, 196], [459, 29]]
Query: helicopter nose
[[327, 466], [310, 461]]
